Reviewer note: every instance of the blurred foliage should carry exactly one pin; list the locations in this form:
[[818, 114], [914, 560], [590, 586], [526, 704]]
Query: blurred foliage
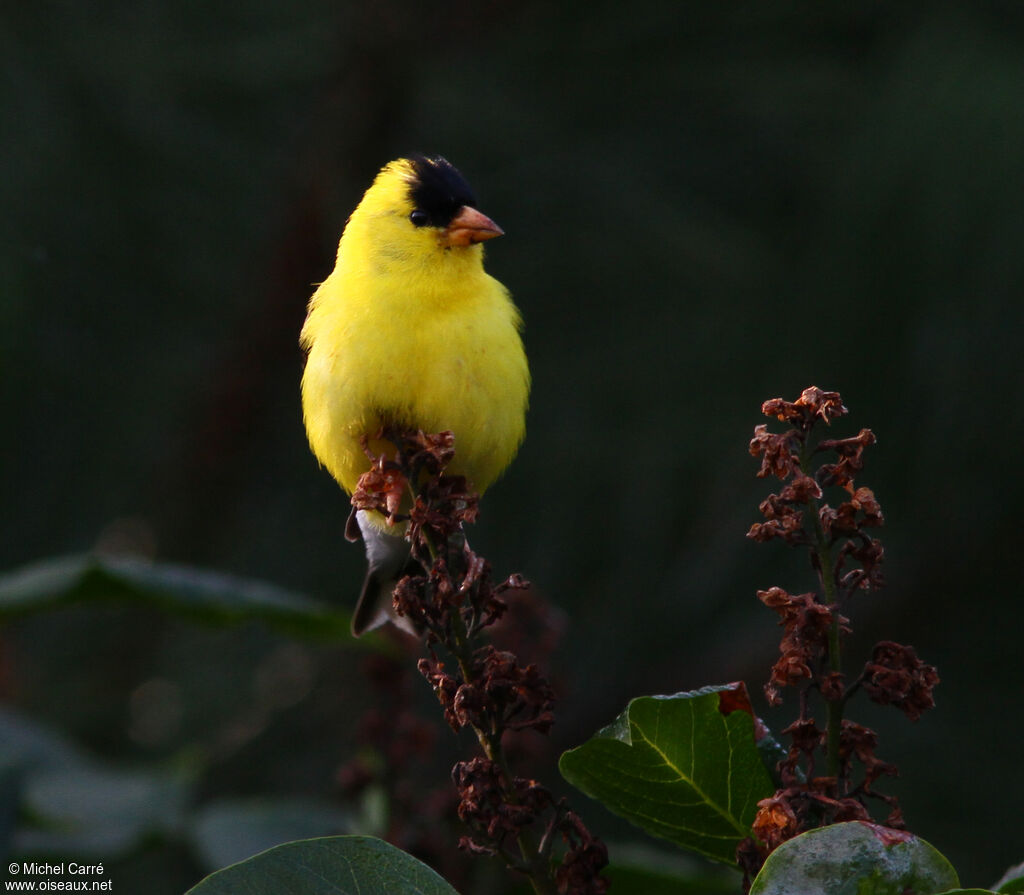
[[706, 206], [204, 596]]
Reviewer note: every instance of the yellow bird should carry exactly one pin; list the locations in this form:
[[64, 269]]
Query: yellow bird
[[410, 331]]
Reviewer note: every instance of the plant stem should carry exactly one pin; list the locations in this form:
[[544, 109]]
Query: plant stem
[[833, 707], [533, 863], [826, 570]]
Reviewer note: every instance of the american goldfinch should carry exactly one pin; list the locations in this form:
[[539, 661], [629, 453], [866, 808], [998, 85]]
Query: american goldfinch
[[410, 331]]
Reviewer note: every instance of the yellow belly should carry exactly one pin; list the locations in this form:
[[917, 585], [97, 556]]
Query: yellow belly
[[458, 366]]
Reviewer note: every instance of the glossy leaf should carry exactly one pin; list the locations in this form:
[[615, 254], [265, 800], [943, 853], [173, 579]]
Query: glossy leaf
[[683, 767], [196, 593], [338, 865], [855, 858]]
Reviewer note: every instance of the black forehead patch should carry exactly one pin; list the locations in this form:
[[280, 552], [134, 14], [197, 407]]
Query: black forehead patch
[[438, 190]]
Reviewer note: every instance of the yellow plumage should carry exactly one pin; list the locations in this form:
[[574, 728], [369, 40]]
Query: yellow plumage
[[413, 333], [408, 329]]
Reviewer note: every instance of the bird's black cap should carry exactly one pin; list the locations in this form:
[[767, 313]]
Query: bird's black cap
[[438, 190]]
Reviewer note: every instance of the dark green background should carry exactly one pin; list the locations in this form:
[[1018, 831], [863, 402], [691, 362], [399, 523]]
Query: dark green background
[[706, 205]]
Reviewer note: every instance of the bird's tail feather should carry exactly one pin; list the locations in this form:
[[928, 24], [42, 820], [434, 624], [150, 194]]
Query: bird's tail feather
[[388, 558]]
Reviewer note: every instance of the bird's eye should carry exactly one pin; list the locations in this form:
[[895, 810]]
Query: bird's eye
[[419, 218]]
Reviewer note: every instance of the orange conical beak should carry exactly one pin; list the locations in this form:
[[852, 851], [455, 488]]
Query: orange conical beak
[[469, 226]]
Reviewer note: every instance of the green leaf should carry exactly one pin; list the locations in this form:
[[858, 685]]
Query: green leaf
[[855, 858], [195, 593], [1012, 881], [339, 865], [230, 830], [683, 767]]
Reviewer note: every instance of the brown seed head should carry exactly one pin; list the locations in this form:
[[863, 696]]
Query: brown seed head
[[778, 452], [896, 676]]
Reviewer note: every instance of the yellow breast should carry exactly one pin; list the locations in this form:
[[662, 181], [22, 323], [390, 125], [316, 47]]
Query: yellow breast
[[432, 345]]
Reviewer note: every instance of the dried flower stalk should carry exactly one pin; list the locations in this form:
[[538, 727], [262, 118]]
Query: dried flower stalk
[[848, 560], [452, 600]]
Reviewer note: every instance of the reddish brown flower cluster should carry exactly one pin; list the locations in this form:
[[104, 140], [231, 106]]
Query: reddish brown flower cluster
[[806, 801], [896, 676], [485, 804], [807, 624], [780, 452], [485, 807], [497, 694], [451, 599], [813, 403], [411, 484], [584, 857], [860, 742], [453, 584], [847, 560], [845, 556], [851, 458]]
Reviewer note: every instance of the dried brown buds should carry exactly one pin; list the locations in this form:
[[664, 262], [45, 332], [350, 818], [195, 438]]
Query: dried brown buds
[[896, 676], [807, 624], [847, 560], [452, 600]]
